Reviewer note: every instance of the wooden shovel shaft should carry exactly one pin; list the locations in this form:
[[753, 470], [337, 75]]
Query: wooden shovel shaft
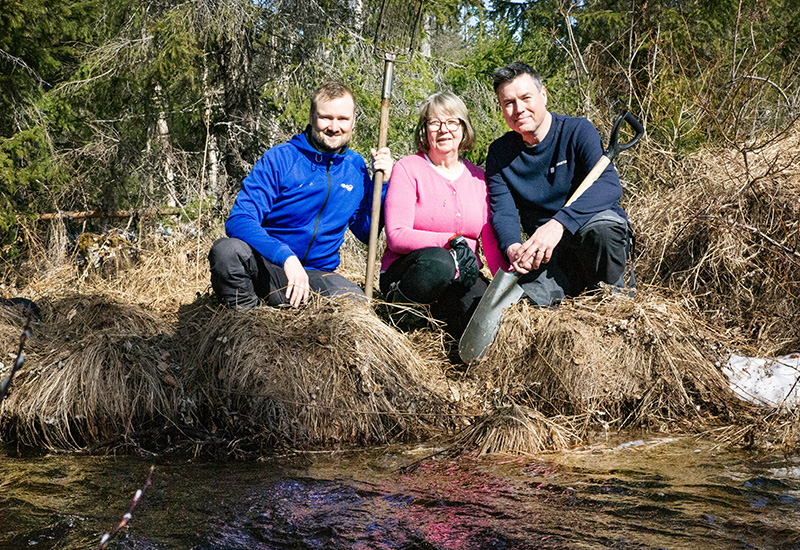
[[377, 189], [587, 182]]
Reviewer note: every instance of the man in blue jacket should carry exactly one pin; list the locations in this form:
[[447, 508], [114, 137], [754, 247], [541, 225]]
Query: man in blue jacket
[[290, 217], [531, 172]]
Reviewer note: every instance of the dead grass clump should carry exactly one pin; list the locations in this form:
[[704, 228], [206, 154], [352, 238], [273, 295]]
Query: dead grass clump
[[12, 320], [105, 254], [624, 362], [331, 373], [515, 429], [353, 255], [726, 232], [168, 270], [768, 430], [76, 315], [105, 380]]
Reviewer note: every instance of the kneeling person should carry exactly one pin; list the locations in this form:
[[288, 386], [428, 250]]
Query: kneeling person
[[289, 219], [437, 212], [531, 172]]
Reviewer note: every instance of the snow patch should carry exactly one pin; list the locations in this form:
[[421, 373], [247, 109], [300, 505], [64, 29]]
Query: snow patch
[[769, 382]]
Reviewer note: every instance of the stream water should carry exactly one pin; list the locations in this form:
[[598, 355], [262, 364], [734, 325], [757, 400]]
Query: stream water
[[648, 493]]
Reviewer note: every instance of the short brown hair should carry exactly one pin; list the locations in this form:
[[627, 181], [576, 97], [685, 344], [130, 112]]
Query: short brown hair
[[448, 103], [331, 89]]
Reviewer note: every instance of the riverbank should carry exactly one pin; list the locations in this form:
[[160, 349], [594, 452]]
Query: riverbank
[[103, 375], [132, 352]]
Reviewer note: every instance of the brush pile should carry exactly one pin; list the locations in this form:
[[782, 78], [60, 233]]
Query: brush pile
[[726, 231]]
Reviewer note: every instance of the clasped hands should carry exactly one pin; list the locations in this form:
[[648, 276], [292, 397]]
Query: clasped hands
[[537, 250]]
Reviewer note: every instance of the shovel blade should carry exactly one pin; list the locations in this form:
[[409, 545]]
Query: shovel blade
[[485, 322]]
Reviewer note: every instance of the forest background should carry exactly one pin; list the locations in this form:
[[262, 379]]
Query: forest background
[[134, 104]]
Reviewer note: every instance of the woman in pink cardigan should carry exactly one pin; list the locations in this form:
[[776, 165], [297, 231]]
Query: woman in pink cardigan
[[436, 211]]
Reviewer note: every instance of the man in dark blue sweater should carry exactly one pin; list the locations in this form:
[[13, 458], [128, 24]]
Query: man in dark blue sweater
[[531, 172]]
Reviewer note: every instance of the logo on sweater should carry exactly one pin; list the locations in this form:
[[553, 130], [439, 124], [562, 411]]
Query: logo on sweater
[[553, 168], [347, 186]]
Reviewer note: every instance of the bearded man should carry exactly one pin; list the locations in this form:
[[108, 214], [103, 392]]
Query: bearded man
[[289, 219]]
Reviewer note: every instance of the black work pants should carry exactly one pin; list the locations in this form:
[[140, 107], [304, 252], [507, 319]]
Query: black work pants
[[425, 276], [596, 253], [241, 276]]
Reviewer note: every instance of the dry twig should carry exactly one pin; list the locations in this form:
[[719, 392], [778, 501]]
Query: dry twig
[[127, 517], [5, 384]]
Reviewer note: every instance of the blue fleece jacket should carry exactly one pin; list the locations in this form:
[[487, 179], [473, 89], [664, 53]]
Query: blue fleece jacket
[[529, 185], [298, 201]]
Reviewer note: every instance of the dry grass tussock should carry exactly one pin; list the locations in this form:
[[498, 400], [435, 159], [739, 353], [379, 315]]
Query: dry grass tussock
[[96, 373], [102, 367], [329, 374], [516, 429], [726, 231], [644, 362], [767, 430], [127, 350], [158, 271]]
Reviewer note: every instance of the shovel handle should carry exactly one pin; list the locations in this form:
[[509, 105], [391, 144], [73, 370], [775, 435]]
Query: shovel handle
[[614, 148], [377, 187]]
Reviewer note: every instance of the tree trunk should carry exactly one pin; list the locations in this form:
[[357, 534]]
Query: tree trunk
[[165, 148]]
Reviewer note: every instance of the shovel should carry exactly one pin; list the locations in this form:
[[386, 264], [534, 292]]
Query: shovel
[[504, 290]]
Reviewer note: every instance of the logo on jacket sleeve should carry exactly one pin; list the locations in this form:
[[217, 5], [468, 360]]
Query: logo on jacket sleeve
[[347, 186]]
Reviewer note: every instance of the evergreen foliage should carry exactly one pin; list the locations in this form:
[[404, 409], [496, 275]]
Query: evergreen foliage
[[138, 103]]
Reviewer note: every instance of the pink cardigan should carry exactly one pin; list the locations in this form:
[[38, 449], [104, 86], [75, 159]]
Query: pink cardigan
[[423, 208]]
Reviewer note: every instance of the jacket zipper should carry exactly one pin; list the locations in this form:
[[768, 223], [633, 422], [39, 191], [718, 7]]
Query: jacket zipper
[[319, 214]]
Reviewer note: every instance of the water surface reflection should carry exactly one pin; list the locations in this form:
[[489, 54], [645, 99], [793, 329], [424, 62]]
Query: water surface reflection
[[640, 494]]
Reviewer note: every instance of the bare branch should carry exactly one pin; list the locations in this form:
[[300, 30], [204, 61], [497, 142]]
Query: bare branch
[[127, 517], [754, 230], [18, 61], [768, 81], [174, 211], [5, 384]]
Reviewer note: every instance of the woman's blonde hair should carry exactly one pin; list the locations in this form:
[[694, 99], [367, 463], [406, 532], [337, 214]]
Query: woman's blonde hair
[[446, 103]]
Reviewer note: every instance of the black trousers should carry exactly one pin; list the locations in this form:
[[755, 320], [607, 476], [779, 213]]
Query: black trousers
[[596, 253], [425, 276], [241, 277]]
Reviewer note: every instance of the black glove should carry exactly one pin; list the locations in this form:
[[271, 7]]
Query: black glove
[[466, 260]]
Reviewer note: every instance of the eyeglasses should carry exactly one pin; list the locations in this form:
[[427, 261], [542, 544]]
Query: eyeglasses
[[451, 124]]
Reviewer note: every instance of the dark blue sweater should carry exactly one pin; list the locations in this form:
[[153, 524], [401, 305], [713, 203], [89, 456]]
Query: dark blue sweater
[[528, 186]]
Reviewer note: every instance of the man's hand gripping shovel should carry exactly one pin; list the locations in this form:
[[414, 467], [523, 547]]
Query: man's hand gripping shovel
[[504, 290]]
